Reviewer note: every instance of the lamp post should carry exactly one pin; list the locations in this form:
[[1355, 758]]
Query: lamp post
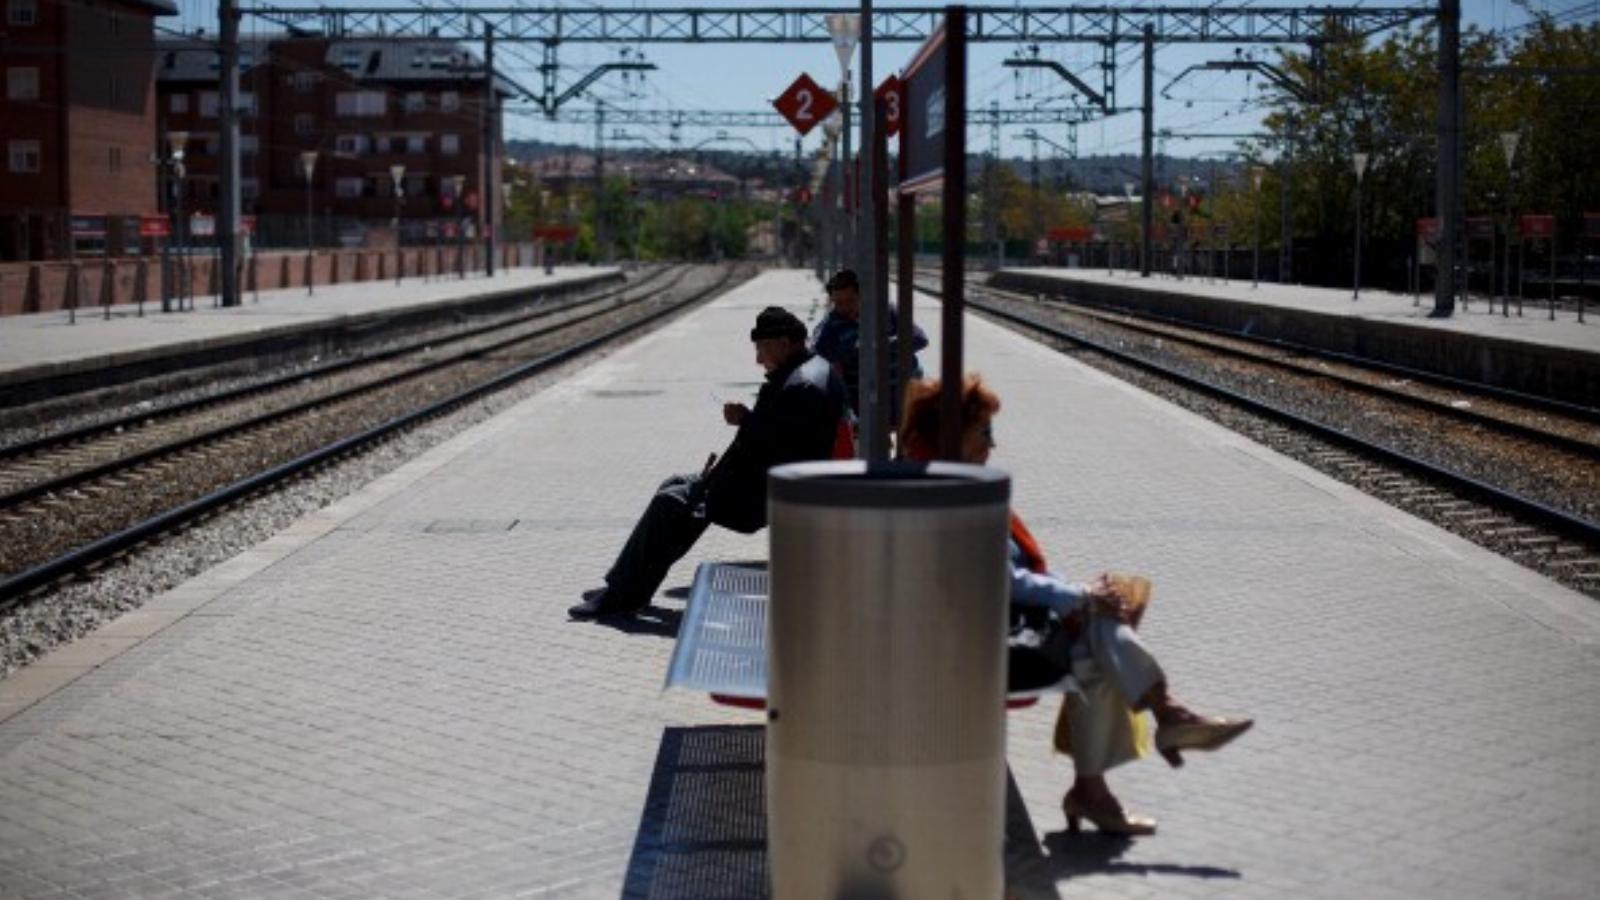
[[1508, 145], [308, 167], [1256, 174], [1127, 191], [1360, 160], [398, 173], [175, 144], [457, 182]]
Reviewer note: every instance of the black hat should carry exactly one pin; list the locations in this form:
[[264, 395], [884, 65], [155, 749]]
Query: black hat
[[776, 322], [844, 278]]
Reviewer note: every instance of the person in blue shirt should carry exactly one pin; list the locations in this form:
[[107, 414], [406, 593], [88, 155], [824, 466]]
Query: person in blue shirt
[[837, 339]]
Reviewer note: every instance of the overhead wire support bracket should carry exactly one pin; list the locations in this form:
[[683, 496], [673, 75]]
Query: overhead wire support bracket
[[1272, 73], [550, 103], [1034, 62]]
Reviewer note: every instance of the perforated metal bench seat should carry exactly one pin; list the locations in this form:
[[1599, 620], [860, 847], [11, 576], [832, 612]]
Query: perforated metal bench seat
[[722, 640]]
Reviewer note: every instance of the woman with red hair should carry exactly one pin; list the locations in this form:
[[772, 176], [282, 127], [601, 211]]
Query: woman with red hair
[[1060, 628]]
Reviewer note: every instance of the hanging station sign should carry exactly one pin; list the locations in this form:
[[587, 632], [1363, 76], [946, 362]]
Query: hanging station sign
[[922, 143]]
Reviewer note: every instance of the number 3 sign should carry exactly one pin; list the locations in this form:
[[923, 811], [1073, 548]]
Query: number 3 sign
[[805, 104]]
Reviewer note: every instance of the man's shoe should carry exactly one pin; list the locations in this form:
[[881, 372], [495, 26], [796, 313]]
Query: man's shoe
[[594, 606]]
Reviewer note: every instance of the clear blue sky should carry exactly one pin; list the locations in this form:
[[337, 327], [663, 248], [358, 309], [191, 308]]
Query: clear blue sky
[[743, 77]]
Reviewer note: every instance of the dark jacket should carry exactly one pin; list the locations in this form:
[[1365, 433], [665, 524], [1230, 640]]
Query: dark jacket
[[838, 340], [795, 418]]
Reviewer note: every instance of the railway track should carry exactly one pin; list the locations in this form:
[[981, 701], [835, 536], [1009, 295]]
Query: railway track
[[1518, 475], [71, 499]]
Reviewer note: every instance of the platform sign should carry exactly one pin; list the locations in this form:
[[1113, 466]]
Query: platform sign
[[805, 103], [1537, 227], [922, 140], [892, 95], [88, 226], [155, 226], [1428, 231], [202, 225], [1480, 228], [558, 234], [1070, 234]]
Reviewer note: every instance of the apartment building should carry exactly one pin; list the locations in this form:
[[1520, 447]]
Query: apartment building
[[360, 112], [77, 125]]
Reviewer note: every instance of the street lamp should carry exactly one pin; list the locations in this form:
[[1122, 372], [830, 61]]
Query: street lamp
[[457, 182], [1360, 160], [1256, 174], [398, 173], [308, 167], [175, 143], [1508, 145], [1127, 191]]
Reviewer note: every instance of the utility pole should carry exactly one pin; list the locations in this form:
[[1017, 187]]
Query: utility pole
[[1146, 162], [227, 227], [1286, 208], [1449, 183], [601, 248], [991, 194], [873, 345], [491, 193]]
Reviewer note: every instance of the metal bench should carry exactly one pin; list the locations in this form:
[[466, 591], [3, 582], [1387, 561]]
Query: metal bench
[[722, 641]]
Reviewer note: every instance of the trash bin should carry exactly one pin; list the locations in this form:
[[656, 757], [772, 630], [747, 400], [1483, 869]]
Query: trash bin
[[886, 676]]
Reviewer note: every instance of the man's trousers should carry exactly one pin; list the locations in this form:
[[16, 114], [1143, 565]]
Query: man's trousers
[[673, 521]]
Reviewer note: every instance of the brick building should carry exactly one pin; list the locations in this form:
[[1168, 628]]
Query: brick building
[[77, 124], [363, 107]]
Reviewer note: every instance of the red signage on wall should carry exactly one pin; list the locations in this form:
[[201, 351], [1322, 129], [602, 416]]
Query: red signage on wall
[[1537, 226], [1071, 234], [555, 233], [155, 226]]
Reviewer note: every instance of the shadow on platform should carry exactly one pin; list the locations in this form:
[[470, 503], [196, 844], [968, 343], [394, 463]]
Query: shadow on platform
[[703, 833]]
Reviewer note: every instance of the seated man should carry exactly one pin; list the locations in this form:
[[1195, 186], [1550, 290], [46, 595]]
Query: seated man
[[795, 418], [837, 339]]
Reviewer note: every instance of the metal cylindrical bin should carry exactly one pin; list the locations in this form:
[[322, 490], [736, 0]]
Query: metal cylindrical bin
[[886, 678]]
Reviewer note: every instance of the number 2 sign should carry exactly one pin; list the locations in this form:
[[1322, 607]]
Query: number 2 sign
[[805, 104]]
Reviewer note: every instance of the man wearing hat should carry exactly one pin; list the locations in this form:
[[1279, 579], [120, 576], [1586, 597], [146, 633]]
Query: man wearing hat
[[838, 340], [796, 417]]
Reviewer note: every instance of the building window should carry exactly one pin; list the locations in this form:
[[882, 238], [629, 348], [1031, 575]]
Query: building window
[[247, 104], [249, 144], [449, 101], [416, 102], [416, 185], [305, 124], [305, 82], [22, 83], [24, 156], [449, 144], [22, 12], [349, 187], [249, 190], [417, 143], [360, 103], [380, 144], [208, 104], [179, 103], [351, 144], [114, 159]]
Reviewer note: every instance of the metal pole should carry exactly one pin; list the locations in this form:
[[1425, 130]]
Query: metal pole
[[880, 416], [1444, 289], [1286, 208], [873, 347], [1147, 172], [1551, 245], [311, 272], [488, 202], [849, 185], [955, 230], [1356, 294], [1505, 273], [167, 281], [1255, 254], [905, 264], [227, 226]]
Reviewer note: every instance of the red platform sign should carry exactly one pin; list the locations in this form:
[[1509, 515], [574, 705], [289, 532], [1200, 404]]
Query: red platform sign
[[805, 103], [155, 226], [1428, 231], [555, 233], [892, 95], [1071, 234], [1537, 226]]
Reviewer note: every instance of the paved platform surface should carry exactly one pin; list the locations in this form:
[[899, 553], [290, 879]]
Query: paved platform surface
[[1533, 326], [387, 699], [36, 342]]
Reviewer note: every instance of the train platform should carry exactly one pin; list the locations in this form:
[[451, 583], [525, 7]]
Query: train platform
[[1530, 352], [387, 698], [53, 348]]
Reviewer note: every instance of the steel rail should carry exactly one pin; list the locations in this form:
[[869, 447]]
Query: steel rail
[[73, 479], [140, 419], [14, 589], [1566, 442], [1577, 527]]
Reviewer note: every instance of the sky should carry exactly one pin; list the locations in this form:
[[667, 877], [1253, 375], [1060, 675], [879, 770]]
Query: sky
[[746, 77]]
